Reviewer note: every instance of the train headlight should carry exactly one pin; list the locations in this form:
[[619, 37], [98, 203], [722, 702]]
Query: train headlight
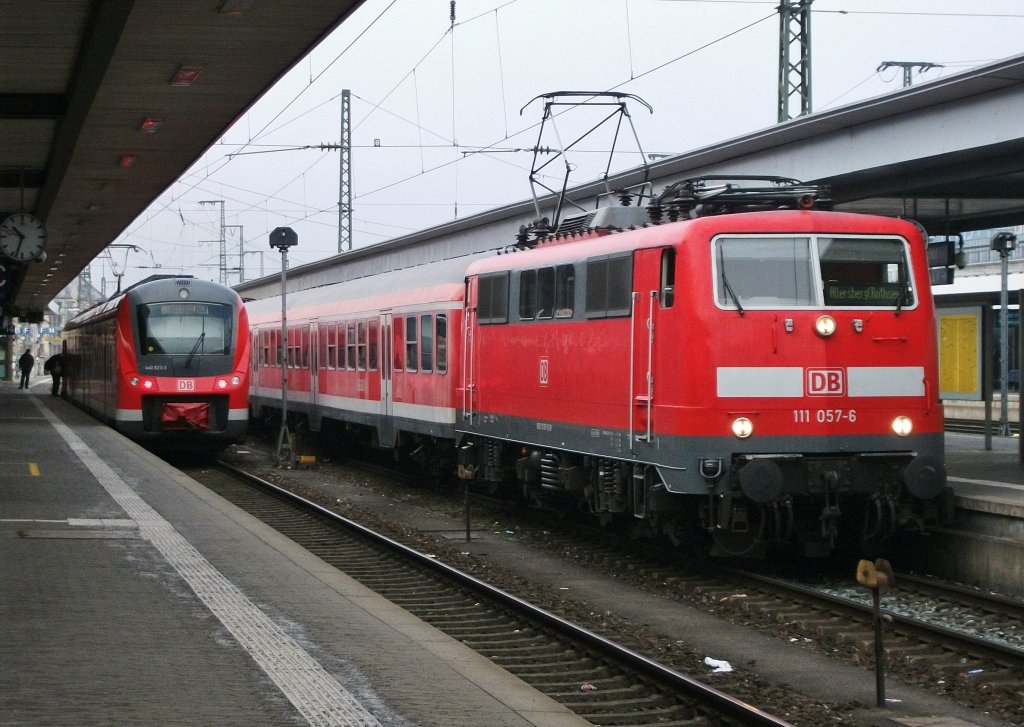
[[902, 426], [236, 380], [134, 380], [148, 383], [742, 427], [222, 383], [825, 326]]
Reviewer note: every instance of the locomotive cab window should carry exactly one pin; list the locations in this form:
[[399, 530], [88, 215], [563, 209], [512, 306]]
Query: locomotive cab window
[[858, 272], [813, 271], [198, 329], [667, 294]]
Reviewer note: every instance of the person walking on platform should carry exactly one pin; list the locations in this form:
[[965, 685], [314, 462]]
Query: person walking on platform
[[54, 366], [25, 363]]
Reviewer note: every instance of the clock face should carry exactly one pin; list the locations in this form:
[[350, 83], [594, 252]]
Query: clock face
[[22, 237]]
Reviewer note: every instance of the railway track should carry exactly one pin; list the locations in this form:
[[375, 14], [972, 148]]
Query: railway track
[[987, 642], [977, 426], [601, 681]]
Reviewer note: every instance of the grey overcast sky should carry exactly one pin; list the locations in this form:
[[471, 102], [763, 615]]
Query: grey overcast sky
[[436, 108]]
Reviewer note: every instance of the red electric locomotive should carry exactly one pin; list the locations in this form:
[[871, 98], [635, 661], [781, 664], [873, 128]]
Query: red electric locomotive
[[760, 377], [166, 363]]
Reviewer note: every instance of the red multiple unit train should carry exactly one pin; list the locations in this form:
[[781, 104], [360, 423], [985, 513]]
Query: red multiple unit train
[[166, 363], [755, 378]]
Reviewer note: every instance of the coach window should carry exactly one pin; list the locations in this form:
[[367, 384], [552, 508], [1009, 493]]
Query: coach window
[[668, 277], [441, 342], [410, 343], [328, 345], [372, 345], [361, 349], [565, 290], [398, 343], [336, 361], [527, 295], [492, 298], [350, 346], [426, 343], [304, 347]]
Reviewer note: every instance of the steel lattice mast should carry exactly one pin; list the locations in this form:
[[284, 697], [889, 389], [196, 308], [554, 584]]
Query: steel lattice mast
[[794, 57]]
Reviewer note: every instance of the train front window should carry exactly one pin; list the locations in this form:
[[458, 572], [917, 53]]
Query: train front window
[[756, 272], [769, 272], [864, 272], [199, 329]]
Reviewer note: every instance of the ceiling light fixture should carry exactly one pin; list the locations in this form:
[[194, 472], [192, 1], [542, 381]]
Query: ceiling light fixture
[[186, 75], [150, 125]]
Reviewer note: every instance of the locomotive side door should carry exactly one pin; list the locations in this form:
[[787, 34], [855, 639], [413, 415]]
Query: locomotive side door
[[386, 429], [650, 291]]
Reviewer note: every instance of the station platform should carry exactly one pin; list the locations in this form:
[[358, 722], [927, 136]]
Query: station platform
[[131, 595]]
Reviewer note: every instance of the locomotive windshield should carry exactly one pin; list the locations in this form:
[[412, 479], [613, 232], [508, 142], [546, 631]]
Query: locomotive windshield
[[190, 329], [820, 271]]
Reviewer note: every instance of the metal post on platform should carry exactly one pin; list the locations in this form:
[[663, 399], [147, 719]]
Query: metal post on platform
[[1004, 243], [282, 238]]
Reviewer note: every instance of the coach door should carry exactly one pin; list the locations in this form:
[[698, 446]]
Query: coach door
[[314, 376], [386, 429], [649, 288]]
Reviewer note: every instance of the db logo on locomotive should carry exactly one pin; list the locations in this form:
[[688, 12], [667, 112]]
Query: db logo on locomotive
[[825, 382]]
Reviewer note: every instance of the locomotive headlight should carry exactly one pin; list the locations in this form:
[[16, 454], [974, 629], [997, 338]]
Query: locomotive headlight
[[222, 383], [148, 383], [742, 427], [825, 326], [134, 380], [902, 426]]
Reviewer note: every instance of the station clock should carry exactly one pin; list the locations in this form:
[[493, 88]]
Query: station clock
[[22, 237]]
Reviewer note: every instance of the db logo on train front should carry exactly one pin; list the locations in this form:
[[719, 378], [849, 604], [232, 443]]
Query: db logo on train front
[[826, 382], [186, 385]]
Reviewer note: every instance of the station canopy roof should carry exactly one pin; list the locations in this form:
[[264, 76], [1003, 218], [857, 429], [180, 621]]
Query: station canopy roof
[[105, 103]]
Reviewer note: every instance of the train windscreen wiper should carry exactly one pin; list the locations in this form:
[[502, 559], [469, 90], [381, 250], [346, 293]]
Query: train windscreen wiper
[[725, 280], [195, 348]]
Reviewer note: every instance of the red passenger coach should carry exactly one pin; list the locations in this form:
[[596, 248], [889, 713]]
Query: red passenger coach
[[375, 356], [166, 363], [757, 374]]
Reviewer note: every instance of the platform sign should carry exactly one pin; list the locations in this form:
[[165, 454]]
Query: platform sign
[[960, 347]]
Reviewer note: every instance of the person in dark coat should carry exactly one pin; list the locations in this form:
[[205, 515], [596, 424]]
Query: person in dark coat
[[54, 366], [25, 363]]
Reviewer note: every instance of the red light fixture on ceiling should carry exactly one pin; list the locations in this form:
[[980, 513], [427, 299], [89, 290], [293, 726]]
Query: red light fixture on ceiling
[[127, 161], [186, 75], [150, 125]]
